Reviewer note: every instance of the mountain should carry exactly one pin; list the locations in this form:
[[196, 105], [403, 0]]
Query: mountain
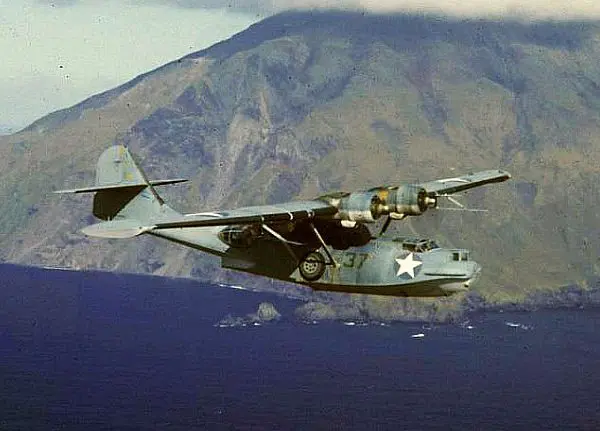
[[304, 103]]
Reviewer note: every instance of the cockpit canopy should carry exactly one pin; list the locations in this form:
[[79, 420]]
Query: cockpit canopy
[[417, 245]]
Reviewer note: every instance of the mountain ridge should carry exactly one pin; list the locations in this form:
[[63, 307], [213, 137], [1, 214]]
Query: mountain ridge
[[553, 33]]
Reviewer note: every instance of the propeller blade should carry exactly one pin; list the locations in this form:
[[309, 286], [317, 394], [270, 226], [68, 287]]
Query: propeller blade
[[454, 201], [474, 210]]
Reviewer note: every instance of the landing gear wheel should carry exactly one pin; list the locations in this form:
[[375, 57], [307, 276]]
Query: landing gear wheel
[[312, 266]]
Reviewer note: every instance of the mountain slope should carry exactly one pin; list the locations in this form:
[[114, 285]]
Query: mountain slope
[[305, 103]]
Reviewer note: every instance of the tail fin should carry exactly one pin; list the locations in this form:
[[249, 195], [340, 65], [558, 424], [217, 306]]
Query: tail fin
[[122, 189]]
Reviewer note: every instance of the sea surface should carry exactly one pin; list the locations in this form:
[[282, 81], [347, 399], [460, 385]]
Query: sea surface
[[101, 351]]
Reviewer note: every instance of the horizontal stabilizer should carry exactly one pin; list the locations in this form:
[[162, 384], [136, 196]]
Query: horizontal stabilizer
[[121, 186], [116, 229]]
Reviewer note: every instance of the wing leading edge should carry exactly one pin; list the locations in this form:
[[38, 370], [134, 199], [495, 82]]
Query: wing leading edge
[[464, 182]]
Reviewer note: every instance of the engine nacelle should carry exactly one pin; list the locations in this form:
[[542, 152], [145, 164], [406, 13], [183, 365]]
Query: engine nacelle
[[239, 236], [368, 206], [409, 200], [360, 207]]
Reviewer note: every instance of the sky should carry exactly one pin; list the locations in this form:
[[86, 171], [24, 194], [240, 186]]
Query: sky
[[55, 53]]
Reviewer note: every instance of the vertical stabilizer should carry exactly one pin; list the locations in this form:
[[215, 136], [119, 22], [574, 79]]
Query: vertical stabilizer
[[135, 198], [122, 190], [117, 167]]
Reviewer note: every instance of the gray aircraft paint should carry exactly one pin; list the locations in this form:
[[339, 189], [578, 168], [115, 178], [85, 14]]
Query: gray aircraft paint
[[277, 241]]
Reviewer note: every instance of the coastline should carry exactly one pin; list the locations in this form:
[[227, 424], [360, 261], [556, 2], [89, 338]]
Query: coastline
[[366, 308]]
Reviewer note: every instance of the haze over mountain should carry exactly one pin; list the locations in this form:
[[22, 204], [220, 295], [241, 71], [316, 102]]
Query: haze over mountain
[[304, 103]]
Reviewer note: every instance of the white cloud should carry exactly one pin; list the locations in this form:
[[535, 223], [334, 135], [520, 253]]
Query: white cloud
[[535, 9], [555, 9], [56, 54]]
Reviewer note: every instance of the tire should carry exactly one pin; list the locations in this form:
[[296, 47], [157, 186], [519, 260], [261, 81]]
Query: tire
[[312, 266]]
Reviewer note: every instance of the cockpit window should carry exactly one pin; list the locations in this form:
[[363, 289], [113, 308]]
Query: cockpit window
[[417, 245], [432, 245], [460, 255], [409, 247]]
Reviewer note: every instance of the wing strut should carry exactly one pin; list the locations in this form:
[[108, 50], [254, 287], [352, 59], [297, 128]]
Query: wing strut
[[284, 241], [320, 238], [385, 226]]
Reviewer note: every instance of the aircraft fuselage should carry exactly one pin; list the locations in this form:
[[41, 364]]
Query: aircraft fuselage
[[383, 266]]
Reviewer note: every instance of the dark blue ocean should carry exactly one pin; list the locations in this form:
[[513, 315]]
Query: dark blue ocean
[[100, 351]]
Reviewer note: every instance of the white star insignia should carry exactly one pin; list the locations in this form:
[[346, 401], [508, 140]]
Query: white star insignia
[[407, 265]]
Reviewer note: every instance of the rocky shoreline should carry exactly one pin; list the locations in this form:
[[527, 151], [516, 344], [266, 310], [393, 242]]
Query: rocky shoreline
[[572, 296], [266, 313], [449, 310], [370, 308], [569, 297]]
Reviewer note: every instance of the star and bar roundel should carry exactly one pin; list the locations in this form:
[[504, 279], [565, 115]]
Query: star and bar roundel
[[407, 265]]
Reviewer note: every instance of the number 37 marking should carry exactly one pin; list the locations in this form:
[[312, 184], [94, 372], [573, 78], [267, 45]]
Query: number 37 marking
[[354, 260]]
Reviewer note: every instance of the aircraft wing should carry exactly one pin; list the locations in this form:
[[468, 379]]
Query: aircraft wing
[[264, 214], [452, 185]]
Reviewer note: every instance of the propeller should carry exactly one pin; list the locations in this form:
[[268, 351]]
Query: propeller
[[460, 206]]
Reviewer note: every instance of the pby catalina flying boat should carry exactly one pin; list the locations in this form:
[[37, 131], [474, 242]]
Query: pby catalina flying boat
[[323, 243]]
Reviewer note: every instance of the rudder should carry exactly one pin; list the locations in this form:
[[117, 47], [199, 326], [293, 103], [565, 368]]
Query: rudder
[[116, 167], [122, 189]]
